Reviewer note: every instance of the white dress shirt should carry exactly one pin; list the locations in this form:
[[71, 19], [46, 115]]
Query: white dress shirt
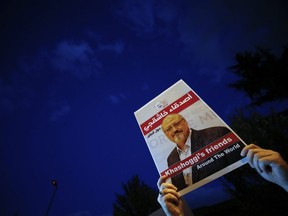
[[187, 173]]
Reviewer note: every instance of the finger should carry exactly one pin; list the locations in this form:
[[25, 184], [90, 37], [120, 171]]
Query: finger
[[161, 180], [168, 188], [266, 162], [253, 155], [250, 157], [171, 191], [171, 197], [262, 159], [247, 148], [161, 193], [244, 151], [167, 195], [256, 162]]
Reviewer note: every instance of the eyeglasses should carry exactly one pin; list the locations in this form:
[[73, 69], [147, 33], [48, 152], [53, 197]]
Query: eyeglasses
[[176, 124]]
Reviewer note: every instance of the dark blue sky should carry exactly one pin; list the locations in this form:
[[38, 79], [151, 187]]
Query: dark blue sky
[[74, 72]]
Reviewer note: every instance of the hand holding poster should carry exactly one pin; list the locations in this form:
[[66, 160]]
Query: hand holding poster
[[188, 141]]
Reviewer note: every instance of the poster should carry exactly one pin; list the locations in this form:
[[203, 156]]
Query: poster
[[187, 140]]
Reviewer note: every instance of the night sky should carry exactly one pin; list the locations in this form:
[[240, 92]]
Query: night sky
[[72, 74]]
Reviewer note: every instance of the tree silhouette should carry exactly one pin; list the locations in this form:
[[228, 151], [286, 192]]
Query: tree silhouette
[[248, 186], [138, 199], [262, 75], [262, 78]]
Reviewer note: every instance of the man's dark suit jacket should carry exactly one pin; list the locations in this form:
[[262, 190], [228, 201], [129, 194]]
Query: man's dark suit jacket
[[199, 139]]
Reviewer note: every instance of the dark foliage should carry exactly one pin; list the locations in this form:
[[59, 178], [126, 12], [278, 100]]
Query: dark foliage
[[262, 75], [263, 79], [138, 199], [256, 196]]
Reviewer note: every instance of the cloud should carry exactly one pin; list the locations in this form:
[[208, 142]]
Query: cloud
[[76, 59], [137, 15], [213, 35], [45, 78], [210, 36], [149, 17], [116, 47], [117, 98], [184, 22], [60, 112]]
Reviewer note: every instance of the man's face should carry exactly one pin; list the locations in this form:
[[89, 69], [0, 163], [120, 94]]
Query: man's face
[[176, 128]]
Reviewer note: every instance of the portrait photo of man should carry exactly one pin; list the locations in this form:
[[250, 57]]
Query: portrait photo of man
[[187, 141]]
